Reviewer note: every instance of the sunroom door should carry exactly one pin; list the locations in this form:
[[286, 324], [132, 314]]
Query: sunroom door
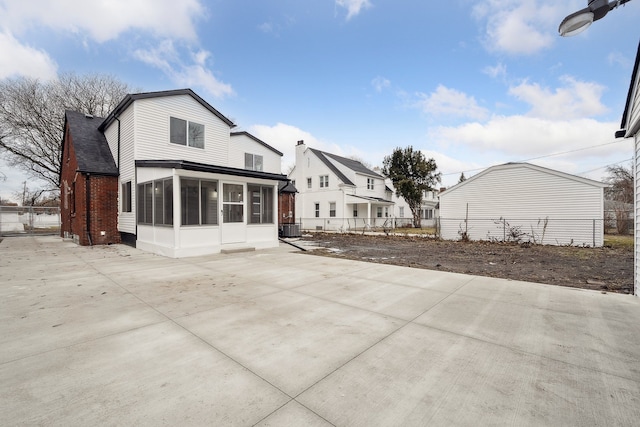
[[233, 227]]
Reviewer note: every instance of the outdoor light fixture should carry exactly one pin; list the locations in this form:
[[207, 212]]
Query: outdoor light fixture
[[579, 21]]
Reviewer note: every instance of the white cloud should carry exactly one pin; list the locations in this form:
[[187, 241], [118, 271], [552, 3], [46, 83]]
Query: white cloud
[[577, 99], [195, 74], [18, 59], [520, 137], [284, 137], [105, 20], [354, 7], [380, 83], [500, 70], [446, 101], [519, 26]]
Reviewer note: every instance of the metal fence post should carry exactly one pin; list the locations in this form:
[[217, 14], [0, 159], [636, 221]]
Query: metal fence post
[[504, 229]]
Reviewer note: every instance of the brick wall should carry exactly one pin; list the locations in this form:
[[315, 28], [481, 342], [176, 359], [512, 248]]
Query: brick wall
[[286, 204], [102, 215]]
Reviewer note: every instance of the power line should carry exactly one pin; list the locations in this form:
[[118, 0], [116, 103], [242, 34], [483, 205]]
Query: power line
[[605, 166], [540, 157]]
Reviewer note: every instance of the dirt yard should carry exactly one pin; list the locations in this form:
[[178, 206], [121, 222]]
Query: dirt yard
[[608, 269]]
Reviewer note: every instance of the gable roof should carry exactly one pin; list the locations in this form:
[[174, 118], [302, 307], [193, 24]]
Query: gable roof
[[627, 107], [354, 165], [512, 165], [247, 134], [129, 99], [90, 145]]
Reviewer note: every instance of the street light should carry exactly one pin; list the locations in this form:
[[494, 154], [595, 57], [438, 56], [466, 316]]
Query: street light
[[579, 21]]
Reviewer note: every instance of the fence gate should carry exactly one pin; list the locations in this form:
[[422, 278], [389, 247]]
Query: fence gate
[[29, 220]]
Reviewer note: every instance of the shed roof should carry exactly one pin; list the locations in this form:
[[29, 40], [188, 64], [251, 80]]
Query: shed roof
[[512, 165], [129, 99], [90, 145]]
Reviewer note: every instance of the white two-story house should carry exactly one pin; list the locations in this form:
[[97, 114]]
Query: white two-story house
[[338, 193], [186, 184]]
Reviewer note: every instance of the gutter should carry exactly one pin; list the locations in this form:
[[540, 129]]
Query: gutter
[[87, 190]]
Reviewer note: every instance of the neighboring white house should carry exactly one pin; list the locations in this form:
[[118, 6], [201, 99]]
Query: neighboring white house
[[337, 193], [524, 202], [187, 184], [631, 129]]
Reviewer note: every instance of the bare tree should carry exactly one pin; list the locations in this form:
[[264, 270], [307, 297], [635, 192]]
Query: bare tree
[[620, 194], [32, 118]]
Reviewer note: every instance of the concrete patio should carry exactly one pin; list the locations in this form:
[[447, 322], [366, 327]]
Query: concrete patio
[[112, 335]]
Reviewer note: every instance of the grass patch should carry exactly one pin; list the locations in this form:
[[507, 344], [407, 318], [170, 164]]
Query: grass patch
[[619, 242]]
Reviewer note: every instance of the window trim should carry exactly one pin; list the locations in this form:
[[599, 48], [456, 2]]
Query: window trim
[[332, 213], [253, 160], [187, 133], [324, 181]]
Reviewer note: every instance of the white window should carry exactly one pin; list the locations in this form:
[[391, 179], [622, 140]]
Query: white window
[[252, 162], [355, 211], [401, 214], [155, 202], [324, 181], [261, 199], [183, 132], [317, 210], [308, 182], [379, 212], [370, 183], [332, 209], [198, 202]]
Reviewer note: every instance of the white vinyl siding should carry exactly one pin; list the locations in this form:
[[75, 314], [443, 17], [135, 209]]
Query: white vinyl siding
[[242, 144], [525, 196], [152, 124]]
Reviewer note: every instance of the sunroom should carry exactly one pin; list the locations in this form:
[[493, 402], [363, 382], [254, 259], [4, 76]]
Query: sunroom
[[189, 209]]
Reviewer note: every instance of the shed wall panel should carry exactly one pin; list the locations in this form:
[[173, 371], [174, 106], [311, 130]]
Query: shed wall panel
[[540, 203]]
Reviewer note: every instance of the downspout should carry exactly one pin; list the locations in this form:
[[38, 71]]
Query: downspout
[[87, 190]]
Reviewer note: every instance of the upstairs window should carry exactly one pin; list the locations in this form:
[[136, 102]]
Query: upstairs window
[[324, 181], [308, 182], [370, 183], [252, 162], [183, 132]]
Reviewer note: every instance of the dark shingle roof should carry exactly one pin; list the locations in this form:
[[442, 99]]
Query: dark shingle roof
[[354, 165], [90, 145], [128, 100]]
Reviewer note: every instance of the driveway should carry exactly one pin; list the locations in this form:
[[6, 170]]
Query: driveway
[[111, 335]]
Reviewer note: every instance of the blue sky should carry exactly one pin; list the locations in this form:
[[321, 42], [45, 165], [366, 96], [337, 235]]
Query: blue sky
[[469, 83]]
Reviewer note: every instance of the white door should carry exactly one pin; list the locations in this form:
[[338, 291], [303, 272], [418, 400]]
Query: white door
[[233, 227]]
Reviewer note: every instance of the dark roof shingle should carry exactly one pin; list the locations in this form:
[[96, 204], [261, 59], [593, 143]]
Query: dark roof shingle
[[90, 145]]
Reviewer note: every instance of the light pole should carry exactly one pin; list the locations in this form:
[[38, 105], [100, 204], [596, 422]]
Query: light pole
[[579, 21]]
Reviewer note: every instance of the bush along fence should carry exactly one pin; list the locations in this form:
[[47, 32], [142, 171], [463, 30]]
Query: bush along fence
[[542, 231], [24, 220]]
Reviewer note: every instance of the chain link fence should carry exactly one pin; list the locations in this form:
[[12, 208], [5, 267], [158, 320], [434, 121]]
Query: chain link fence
[[542, 231], [353, 225], [26, 220]]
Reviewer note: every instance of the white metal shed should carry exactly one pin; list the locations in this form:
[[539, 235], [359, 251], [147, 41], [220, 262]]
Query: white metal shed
[[526, 203]]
